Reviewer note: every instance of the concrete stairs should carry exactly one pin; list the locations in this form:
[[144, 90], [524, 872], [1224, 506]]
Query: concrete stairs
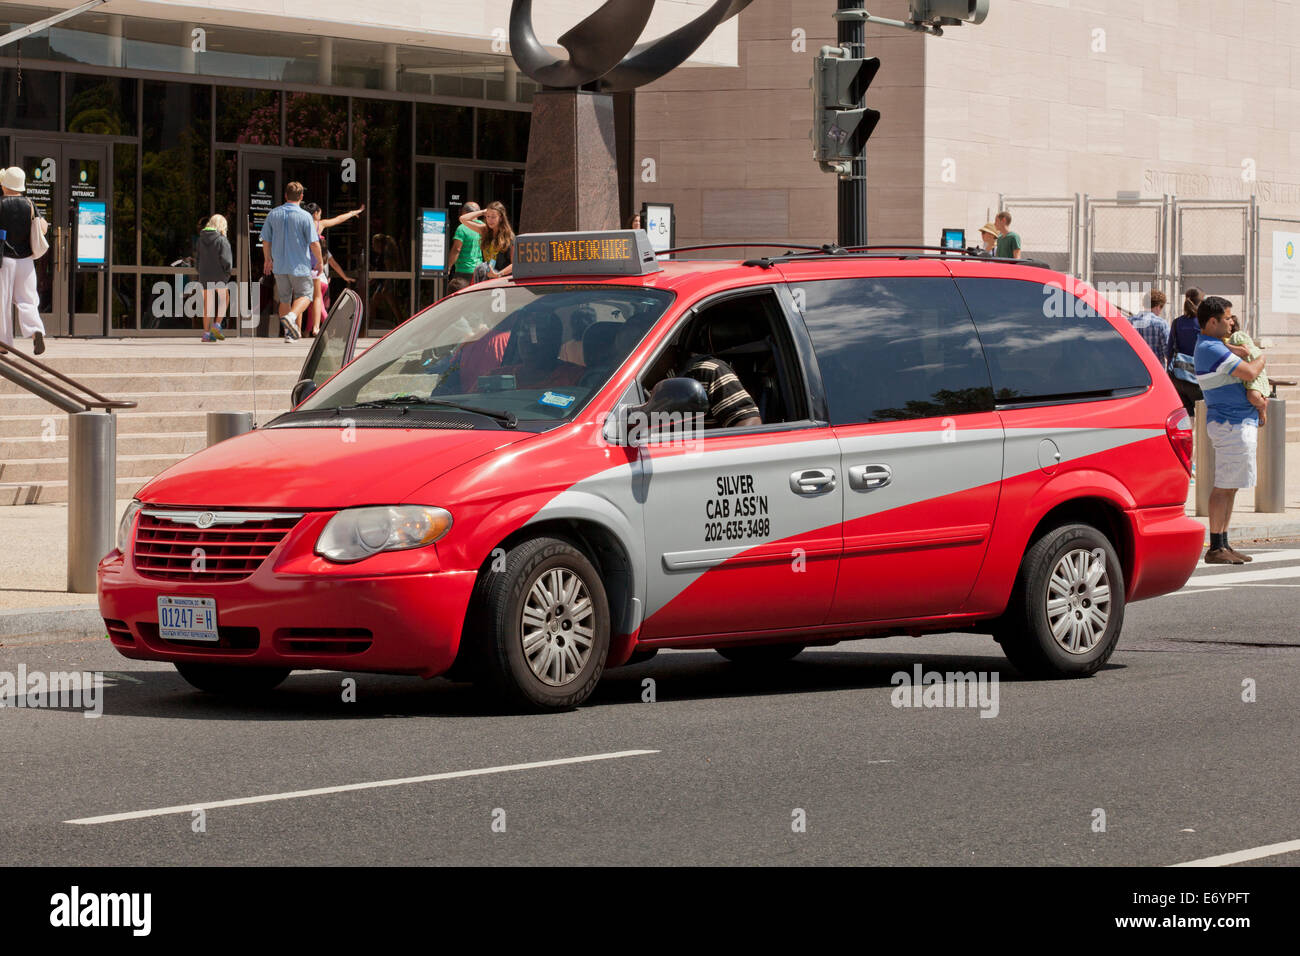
[[1284, 363], [175, 382]]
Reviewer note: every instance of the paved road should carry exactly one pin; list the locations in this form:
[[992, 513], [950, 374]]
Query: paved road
[[1161, 741]]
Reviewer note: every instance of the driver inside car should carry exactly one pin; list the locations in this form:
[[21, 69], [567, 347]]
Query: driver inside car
[[730, 404], [538, 338]]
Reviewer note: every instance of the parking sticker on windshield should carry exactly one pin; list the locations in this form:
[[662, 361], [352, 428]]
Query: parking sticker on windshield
[[556, 399]]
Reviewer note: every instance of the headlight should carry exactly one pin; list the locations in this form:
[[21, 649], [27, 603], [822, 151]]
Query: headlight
[[357, 533], [124, 526]]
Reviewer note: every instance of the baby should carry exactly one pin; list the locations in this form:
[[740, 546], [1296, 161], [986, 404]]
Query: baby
[[1258, 389]]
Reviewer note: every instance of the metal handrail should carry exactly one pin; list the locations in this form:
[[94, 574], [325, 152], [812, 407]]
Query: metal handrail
[[54, 393]]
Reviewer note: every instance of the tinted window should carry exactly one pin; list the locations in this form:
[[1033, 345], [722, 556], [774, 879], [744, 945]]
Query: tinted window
[[895, 349], [1042, 342]]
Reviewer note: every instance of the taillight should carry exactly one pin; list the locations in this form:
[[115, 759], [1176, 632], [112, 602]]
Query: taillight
[[1178, 426]]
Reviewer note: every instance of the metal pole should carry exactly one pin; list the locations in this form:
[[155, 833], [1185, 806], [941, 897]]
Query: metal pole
[[223, 425], [853, 188], [1203, 456], [92, 493], [1270, 490]]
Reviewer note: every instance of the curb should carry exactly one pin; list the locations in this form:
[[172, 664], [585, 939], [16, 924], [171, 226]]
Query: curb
[[1258, 533], [25, 621]]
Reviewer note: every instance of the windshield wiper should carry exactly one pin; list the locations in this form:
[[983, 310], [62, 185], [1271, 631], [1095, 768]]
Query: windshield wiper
[[506, 418]]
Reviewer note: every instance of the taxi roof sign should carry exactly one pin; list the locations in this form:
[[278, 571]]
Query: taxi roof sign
[[617, 252]]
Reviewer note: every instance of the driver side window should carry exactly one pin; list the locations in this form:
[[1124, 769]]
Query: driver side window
[[739, 348]]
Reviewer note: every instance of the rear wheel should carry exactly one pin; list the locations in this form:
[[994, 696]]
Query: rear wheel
[[233, 681], [544, 631], [761, 654], [1067, 609]]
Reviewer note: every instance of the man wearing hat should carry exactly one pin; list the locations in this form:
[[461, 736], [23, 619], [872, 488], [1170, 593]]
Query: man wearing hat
[[18, 272]]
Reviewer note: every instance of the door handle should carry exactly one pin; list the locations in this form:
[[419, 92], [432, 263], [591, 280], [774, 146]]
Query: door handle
[[812, 481], [870, 477]]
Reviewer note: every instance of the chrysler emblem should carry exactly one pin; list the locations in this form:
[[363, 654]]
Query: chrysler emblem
[[205, 520]]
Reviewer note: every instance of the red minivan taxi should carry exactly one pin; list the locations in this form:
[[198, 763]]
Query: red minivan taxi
[[534, 480]]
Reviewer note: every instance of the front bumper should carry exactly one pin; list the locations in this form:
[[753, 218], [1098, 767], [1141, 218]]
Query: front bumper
[[398, 623]]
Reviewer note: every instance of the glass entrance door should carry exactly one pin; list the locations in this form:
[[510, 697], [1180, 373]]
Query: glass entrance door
[[59, 176]]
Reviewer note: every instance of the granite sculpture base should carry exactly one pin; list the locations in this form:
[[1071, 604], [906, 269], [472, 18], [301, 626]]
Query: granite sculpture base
[[571, 182]]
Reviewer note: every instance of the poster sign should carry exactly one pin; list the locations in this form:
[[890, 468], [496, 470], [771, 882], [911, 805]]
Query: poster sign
[[433, 240], [954, 238], [92, 233], [657, 221], [40, 187], [261, 199], [1286, 272]]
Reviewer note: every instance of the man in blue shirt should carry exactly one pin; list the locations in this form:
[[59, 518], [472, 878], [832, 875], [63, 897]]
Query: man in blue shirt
[[1232, 422], [1152, 326], [289, 246]]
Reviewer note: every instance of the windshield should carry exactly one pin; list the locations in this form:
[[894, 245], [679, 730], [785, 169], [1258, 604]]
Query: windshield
[[526, 353]]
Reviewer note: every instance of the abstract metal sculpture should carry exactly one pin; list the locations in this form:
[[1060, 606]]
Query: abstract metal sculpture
[[571, 182], [601, 49]]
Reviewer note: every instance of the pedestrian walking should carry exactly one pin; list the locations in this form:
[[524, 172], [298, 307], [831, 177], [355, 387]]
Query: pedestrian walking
[[1008, 245], [1182, 348], [496, 239], [465, 253], [320, 275], [1152, 326], [289, 246], [214, 263], [1231, 420], [18, 271]]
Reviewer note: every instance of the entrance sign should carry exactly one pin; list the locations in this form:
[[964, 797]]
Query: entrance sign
[[92, 233], [40, 188], [433, 240], [261, 199], [660, 225], [1286, 272]]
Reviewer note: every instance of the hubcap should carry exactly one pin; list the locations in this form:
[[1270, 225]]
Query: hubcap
[[1078, 600], [558, 627]]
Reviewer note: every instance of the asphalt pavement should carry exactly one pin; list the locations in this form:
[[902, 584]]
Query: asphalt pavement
[[1182, 749]]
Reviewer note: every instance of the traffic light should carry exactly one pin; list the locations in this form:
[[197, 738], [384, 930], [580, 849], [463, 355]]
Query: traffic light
[[841, 125], [949, 12]]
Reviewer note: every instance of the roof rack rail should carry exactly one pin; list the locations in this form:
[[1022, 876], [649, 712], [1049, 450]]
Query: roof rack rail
[[796, 250], [745, 245]]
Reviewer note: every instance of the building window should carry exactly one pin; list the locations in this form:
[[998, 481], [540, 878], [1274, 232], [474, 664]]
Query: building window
[[444, 130], [104, 105], [177, 126], [381, 132], [125, 226], [36, 106], [316, 121], [248, 115], [503, 135]]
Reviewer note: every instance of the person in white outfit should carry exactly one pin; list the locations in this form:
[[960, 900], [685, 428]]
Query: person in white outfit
[[18, 273]]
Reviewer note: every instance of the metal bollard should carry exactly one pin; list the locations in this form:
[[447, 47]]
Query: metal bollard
[[1270, 489], [223, 425], [92, 493], [1203, 456]]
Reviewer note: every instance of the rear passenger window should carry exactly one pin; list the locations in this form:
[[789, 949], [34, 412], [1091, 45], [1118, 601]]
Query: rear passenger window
[[1045, 344], [895, 349]]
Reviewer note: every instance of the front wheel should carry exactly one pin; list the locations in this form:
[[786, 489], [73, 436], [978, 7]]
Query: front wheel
[[544, 626], [233, 681], [1067, 608]]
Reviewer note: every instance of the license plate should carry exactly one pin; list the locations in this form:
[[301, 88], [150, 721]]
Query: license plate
[[187, 619]]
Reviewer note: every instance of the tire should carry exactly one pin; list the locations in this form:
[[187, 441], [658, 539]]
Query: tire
[[761, 654], [1060, 623], [526, 604], [233, 681]]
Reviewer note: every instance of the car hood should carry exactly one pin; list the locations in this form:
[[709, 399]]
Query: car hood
[[319, 467]]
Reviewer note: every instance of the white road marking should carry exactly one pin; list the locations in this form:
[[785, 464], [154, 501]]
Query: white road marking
[[1185, 591], [1242, 856], [372, 785], [1244, 577], [1261, 557]]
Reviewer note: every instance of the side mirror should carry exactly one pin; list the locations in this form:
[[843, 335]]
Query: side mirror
[[300, 391], [682, 397], [685, 395]]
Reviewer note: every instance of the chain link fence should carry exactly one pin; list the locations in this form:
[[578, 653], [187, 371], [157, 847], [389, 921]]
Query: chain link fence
[[1047, 229]]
